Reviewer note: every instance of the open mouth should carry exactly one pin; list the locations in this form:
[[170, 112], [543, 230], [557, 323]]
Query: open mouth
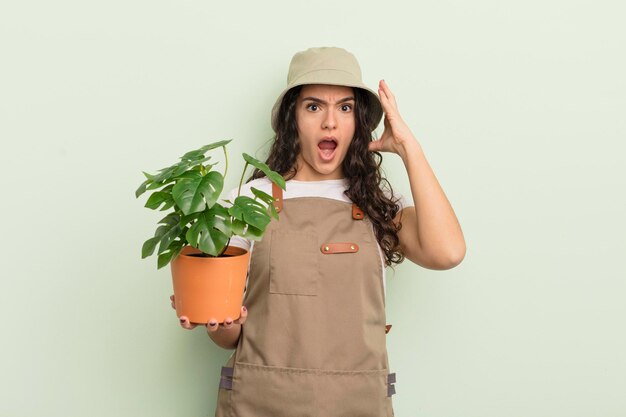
[[327, 148]]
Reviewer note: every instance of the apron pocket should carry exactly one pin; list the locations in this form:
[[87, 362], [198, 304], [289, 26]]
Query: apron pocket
[[270, 391], [264, 391], [294, 263]]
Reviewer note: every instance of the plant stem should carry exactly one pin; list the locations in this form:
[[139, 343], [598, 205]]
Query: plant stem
[[225, 247], [226, 158], [241, 181]]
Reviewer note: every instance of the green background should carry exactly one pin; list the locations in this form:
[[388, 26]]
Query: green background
[[519, 107]]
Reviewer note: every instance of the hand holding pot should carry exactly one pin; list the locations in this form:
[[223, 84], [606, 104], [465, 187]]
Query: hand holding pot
[[212, 325]]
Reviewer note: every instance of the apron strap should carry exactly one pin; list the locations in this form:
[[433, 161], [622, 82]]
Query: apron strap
[[226, 380], [391, 389], [277, 193]]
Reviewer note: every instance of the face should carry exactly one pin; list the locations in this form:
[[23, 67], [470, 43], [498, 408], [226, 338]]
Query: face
[[325, 119]]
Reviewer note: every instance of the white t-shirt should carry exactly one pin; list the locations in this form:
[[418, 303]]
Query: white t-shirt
[[332, 189]]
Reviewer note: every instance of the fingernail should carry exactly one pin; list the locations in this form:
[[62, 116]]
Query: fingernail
[[212, 323], [182, 321], [245, 309], [228, 323]]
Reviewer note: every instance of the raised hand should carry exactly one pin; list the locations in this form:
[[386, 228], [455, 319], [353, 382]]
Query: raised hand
[[396, 134]]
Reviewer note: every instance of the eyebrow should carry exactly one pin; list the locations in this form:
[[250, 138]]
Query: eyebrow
[[318, 100]]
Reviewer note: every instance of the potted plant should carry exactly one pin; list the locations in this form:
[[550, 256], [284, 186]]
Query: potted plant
[[208, 275]]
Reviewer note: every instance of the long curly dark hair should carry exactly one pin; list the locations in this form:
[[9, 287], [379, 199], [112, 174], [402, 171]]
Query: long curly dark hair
[[361, 168]]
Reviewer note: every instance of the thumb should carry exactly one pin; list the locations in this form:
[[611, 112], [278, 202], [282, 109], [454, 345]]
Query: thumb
[[374, 145]]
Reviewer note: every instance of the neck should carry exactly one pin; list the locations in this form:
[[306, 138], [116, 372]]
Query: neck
[[304, 172]]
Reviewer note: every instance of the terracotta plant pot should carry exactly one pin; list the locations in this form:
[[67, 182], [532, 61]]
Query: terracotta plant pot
[[208, 287]]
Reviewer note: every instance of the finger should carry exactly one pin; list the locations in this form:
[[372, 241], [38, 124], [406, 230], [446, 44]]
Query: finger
[[387, 104], [212, 325], [228, 323], [243, 316], [373, 146], [186, 324], [386, 92]]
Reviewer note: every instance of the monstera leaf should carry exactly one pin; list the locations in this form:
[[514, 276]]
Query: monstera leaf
[[191, 188], [211, 231], [194, 193], [275, 177], [250, 211]]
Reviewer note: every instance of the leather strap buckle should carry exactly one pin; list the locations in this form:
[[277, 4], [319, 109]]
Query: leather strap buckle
[[357, 213], [344, 247]]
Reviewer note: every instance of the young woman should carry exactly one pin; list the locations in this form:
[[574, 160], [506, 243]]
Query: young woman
[[311, 338]]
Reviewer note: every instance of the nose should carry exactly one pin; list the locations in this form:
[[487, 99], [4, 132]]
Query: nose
[[330, 121]]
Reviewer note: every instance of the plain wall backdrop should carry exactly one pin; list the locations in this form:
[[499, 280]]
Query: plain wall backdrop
[[519, 107]]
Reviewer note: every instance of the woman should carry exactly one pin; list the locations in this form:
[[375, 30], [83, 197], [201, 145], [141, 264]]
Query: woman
[[314, 341]]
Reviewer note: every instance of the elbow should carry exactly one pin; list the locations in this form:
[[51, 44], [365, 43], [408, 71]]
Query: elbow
[[455, 256], [449, 258], [455, 259]]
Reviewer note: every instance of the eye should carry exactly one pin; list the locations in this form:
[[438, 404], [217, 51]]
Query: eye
[[346, 107], [312, 107]]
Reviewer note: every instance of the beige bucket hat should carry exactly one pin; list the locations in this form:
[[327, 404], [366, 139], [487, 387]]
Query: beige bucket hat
[[327, 65]]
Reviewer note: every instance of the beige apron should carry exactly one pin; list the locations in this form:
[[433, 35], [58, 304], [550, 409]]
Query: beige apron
[[314, 340]]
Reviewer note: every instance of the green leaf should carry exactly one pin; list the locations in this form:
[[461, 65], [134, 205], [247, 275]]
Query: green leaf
[[164, 174], [193, 155], [253, 233], [214, 145], [156, 185], [142, 188], [148, 247], [157, 198], [187, 219], [204, 235], [185, 165], [250, 211], [238, 227], [236, 212], [194, 192], [222, 220], [168, 237], [265, 197], [273, 176], [272, 210], [168, 204], [170, 220], [172, 252]]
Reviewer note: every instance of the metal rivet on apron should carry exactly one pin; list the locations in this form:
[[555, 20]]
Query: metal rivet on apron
[[276, 207], [352, 247], [277, 199], [326, 248]]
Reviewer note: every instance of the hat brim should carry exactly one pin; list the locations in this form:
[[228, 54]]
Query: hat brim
[[338, 78]]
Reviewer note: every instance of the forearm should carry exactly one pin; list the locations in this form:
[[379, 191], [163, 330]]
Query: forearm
[[436, 229], [226, 338]]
